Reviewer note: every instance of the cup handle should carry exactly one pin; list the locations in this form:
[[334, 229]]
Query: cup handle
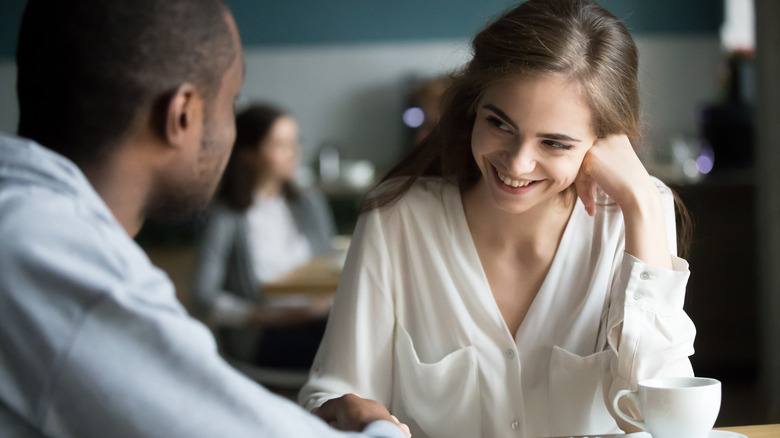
[[632, 395]]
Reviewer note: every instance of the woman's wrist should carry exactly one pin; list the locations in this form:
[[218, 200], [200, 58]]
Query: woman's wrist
[[645, 222], [643, 204]]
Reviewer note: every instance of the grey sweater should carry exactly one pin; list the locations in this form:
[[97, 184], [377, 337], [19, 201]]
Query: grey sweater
[[224, 268]]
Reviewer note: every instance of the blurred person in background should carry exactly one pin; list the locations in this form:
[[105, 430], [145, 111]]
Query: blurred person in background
[[261, 227], [125, 113]]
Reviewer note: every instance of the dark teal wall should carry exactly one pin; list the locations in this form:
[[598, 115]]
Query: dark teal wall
[[285, 21], [276, 22], [10, 16]]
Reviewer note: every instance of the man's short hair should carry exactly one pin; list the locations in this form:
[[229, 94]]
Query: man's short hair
[[86, 67]]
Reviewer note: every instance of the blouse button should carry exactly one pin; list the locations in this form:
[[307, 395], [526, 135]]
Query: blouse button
[[510, 354], [515, 425], [637, 295], [645, 276]]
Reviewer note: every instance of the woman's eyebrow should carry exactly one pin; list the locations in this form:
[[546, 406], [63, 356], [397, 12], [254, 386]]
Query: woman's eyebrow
[[501, 114], [563, 137], [507, 119]]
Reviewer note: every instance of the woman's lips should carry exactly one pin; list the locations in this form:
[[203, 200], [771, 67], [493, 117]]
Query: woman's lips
[[512, 185]]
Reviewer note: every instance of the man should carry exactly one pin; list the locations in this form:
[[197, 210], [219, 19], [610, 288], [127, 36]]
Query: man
[[128, 108]]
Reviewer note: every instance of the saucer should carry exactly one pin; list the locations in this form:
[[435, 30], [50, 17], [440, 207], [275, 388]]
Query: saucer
[[713, 434]]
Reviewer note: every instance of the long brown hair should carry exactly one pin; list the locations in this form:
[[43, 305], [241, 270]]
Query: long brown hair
[[577, 39]]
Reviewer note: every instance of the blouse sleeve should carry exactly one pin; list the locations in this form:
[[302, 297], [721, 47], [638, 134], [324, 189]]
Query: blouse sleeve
[[213, 304], [355, 355], [649, 331]]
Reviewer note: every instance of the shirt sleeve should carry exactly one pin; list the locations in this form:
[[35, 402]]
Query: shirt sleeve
[[109, 350], [161, 376], [211, 302], [356, 353], [649, 331]]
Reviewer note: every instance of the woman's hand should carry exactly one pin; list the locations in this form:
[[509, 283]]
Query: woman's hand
[[351, 412], [612, 164]]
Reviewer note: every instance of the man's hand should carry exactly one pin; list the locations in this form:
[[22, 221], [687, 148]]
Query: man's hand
[[353, 413]]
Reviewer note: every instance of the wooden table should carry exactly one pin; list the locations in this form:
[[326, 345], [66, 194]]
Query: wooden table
[[762, 431], [318, 277]]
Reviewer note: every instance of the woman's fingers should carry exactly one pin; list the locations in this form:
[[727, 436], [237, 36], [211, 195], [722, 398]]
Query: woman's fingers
[[613, 165], [586, 190]]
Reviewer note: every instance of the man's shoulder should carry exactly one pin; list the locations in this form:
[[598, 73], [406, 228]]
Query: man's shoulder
[[61, 244], [54, 229], [32, 207], [27, 211]]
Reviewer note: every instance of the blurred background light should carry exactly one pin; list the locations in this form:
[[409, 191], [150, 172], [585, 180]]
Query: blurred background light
[[413, 117]]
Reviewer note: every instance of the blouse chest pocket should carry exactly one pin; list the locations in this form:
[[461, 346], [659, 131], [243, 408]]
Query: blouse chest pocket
[[439, 399], [577, 393]]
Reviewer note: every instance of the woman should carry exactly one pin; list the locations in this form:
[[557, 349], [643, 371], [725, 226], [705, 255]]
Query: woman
[[261, 227], [519, 268]]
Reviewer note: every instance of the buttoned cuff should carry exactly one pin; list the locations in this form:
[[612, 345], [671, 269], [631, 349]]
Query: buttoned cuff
[[383, 429], [653, 288]]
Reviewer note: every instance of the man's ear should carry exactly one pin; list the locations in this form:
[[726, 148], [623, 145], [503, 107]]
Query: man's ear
[[183, 115]]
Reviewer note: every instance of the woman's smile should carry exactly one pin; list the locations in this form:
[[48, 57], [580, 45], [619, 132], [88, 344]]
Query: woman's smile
[[511, 185]]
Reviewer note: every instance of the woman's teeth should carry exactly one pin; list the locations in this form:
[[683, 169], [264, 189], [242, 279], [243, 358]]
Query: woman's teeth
[[512, 182]]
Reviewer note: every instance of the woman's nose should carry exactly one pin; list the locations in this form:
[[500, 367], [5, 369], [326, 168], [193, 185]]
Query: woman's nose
[[523, 159]]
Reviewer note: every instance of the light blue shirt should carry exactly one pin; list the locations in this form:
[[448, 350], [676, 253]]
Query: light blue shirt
[[93, 342]]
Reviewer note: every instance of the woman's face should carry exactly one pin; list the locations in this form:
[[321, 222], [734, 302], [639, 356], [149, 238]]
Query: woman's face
[[279, 151], [529, 139]]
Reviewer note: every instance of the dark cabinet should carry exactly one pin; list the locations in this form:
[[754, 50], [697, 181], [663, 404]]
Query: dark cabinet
[[722, 295]]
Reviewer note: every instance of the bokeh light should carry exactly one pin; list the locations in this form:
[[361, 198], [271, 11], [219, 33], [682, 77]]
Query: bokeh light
[[706, 160], [414, 117]]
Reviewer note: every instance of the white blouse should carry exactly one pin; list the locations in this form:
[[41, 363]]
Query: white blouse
[[277, 245], [415, 326]]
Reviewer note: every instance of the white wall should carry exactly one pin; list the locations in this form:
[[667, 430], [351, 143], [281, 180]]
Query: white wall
[[677, 76], [352, 95]]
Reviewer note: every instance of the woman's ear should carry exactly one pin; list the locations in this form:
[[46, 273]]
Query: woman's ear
[[183, 116]]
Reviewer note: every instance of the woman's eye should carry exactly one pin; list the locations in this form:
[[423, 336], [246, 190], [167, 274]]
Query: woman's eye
[[498, 123], [557, 145]]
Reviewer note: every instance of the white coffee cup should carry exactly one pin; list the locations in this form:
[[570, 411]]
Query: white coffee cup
[[674, 407]]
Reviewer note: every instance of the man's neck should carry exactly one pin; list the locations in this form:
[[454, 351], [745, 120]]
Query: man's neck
[[124, 190]]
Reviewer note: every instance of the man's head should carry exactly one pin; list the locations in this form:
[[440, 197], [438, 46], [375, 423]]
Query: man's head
[[91, 73]]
